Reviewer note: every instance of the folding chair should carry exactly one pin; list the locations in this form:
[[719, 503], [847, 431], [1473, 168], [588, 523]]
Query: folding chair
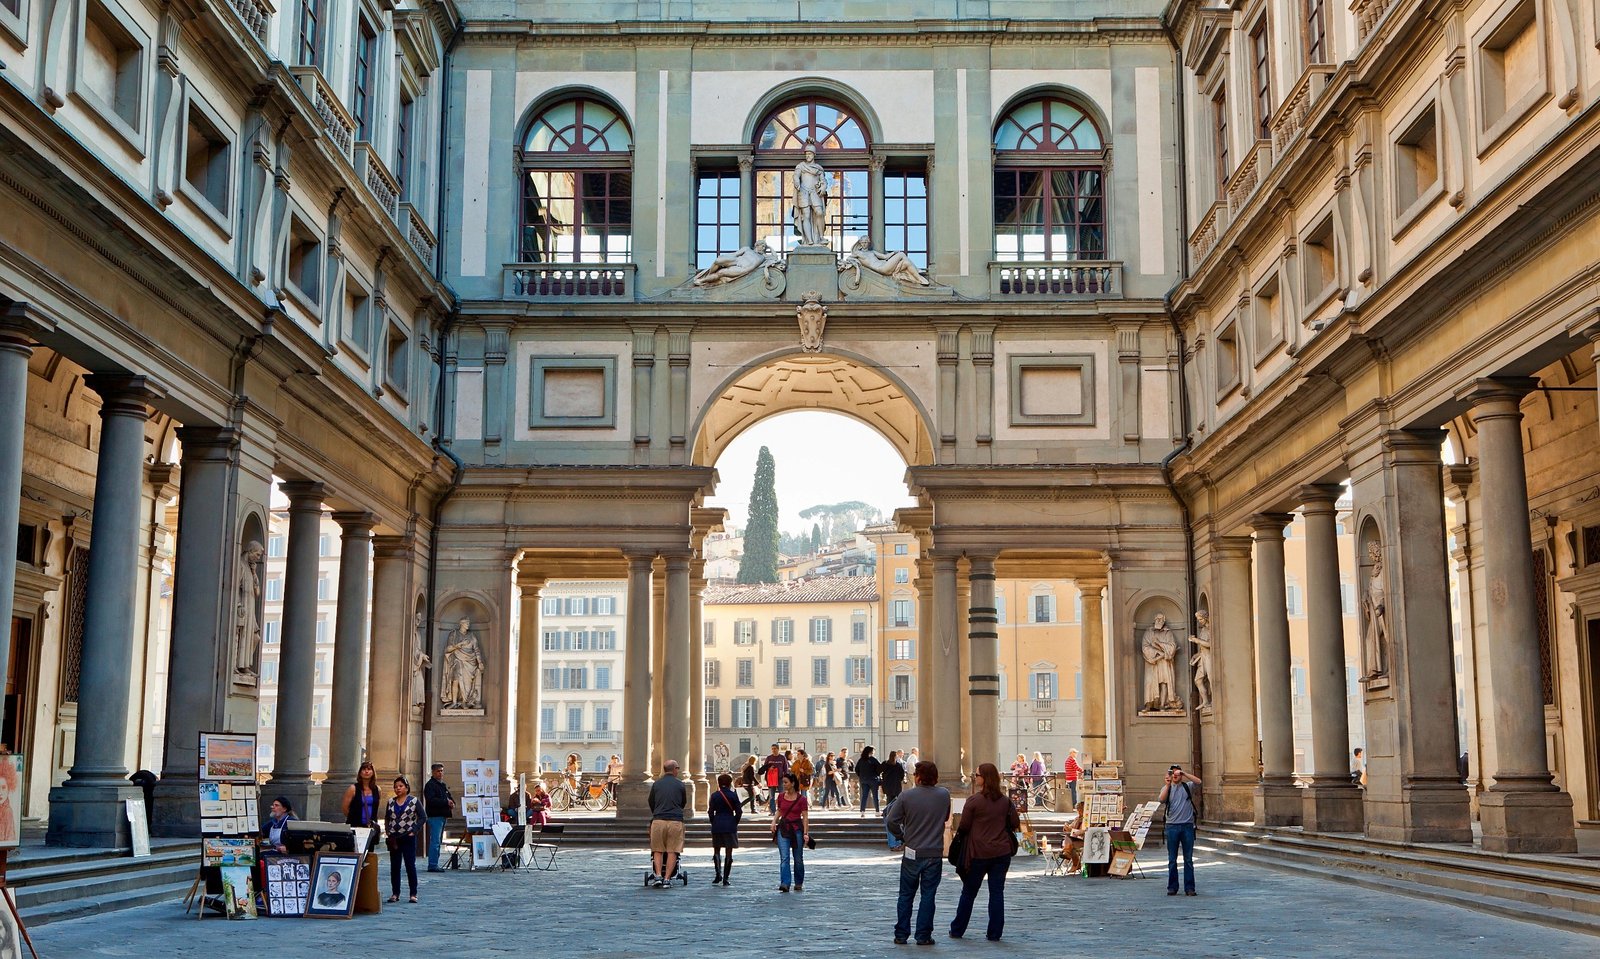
[[547, 847], [512, 845]]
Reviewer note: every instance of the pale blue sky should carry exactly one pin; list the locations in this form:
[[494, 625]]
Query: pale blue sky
[[820, 458]]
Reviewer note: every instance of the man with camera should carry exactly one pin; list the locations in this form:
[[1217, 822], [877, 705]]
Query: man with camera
[[1178, 798]]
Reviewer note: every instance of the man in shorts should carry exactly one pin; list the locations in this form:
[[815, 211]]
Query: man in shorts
[[668, 797]]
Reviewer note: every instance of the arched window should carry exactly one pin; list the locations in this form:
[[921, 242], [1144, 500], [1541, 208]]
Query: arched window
[[1049, 191], [840, 140], [576, 164]]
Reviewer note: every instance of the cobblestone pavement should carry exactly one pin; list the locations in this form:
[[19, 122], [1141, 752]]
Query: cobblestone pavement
[[594, 904]]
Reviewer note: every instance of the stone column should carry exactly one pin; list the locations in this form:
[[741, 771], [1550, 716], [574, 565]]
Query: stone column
[[636, 690], [1332, 803], [944, 747], [1278, 801], [1093, 649], [87, 810], [676, 682], [397, 634], [985, 678], [347, 721], [205, 580], [16, 346], [658, 666], [530, 674], [1523, 811], [697, 680], [297, 654], [1234, 682], [925, 653]]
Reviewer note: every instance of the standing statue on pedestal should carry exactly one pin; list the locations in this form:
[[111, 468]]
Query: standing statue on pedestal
[[420, 662], [1201, 661], [810, 199], [463, 670], [1375, 615], [247, 615], [1159, 648]]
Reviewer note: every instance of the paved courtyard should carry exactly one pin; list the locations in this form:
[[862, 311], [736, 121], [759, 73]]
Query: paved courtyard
[[593, 904]]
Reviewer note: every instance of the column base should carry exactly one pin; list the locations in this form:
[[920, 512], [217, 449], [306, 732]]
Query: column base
[[303, 794], [91, 815], [1427, 811], [177, 808], [633, 797], [1234, 802], [700, 792], [1332, 807], [1278, 804], [1527, 822]]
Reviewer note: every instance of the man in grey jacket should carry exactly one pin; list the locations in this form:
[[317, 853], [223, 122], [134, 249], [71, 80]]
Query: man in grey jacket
[[917, 818]]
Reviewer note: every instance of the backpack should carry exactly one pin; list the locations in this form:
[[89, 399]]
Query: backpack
[[772, 776]]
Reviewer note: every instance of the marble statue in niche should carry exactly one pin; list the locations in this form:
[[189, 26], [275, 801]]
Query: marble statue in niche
[[1201, 661], [810, 199], [462, 684], [420, 661], [1375, 615], [1159, 648], [247, 616]]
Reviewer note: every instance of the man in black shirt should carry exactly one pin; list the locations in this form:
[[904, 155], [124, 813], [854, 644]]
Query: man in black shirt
[[668, 798], [439, 805]]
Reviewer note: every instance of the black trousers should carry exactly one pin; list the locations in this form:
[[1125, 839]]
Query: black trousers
[[404, 851]]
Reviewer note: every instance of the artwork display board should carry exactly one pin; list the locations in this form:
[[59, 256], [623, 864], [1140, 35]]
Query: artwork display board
[[1104, 809], [485, 851], [138, 827], [10, 800], [332, 891], [288, 886], [480, 789], [228, 757], [229, 809], [1097, 845]]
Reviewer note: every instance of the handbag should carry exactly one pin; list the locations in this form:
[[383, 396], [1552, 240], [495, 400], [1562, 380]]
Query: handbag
[[957, 856]]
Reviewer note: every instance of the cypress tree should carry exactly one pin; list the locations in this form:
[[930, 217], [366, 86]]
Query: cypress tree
[[760, 561], [816, 536]]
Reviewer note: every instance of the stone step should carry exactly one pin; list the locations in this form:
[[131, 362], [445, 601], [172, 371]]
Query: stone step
[[105, 883], [37, 872], [1550, 897], [86, 904]]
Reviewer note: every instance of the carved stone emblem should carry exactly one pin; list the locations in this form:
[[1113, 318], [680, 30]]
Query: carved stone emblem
[[813, 317]]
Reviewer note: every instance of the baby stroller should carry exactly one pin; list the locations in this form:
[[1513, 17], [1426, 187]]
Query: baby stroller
[[681, 877]]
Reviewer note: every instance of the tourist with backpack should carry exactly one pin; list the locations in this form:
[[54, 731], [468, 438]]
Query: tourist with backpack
[[1178, 799], [773, 769], [748, 779]]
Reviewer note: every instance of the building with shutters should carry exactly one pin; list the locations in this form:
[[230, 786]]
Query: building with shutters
[[582, 629]]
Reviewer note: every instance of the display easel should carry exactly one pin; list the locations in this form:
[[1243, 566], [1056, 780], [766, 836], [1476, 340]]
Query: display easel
[[11, 904]]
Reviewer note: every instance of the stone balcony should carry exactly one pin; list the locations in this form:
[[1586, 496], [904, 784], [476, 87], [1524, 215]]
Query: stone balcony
[[1292, 114], [1086, 279], [336, 120], [568, 281], [380, 182], [1204, 237]]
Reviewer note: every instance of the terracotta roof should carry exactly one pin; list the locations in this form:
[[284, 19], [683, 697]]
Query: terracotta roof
[[823, 589]]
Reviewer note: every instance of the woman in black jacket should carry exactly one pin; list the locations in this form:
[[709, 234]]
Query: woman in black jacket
[[724, 810], [894, 777], [867, 770]]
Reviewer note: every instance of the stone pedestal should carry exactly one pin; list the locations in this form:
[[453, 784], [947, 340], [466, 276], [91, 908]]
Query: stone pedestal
[[1332, 807], [1279, 804], [1527, 822], [811, 268]]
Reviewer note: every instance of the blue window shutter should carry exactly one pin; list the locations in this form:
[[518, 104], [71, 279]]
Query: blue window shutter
[[869, 711], [830, 710], [772, 711], [866, 665], [849, 716], [811, 713]]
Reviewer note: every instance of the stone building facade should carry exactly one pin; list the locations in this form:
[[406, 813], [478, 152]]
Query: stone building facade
[[1128, 286]]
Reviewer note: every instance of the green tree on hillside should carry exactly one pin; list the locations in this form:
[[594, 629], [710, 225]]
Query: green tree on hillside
[[760, 561]]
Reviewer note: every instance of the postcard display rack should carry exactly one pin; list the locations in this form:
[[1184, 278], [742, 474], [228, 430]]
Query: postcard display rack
[[480, 806], [1104, 841]]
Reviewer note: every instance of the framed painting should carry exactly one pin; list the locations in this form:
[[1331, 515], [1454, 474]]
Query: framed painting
[[332, 892], [10, 800], [228, 757]]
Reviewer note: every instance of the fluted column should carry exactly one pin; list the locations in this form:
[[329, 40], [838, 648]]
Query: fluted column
[[530, 675], [636, 689], [944, 747], [297, 655], [348, 722], [1234, 679], [398, 635], [675, 722], [1278, 801], [1523, 811], [205, 579], [16, 346], [1092, 641], [1332, 803], [984, 636], [86, 810]]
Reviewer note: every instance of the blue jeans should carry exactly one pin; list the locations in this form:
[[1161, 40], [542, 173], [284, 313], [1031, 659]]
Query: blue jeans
[[915, 874], [1181, 834], [1073, 785], [869, 787], [435, 837], [977, 870], [831, 788], [795, 848]]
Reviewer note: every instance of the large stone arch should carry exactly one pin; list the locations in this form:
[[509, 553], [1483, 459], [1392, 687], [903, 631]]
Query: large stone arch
[[838, 381]]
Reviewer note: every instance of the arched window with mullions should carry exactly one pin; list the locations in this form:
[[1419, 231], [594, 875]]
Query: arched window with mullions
[[1049, 183], [840, 140], [576, 165]]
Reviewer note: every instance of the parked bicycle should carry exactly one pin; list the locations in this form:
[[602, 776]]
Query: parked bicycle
[[592, 794]]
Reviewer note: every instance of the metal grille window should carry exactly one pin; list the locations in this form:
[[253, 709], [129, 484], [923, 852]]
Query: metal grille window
[[905, 214], [840, 141], [577, 186], [716, 216], [1049, 201], [77, 599], [1541, 607]]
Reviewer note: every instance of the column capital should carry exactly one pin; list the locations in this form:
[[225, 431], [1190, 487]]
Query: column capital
[[122, 394], [22, 324], [1266, 524], [207, 442], [676, 559], [303, 494], [393, 547], [1460, 477], [1413, 446], [1092, 584], [982, 564], [639, 558], [1319, 497], [1500, 393], [944, 559], [355, 524]]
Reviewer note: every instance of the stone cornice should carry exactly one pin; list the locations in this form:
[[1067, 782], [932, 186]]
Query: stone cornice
[[856, 33]]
